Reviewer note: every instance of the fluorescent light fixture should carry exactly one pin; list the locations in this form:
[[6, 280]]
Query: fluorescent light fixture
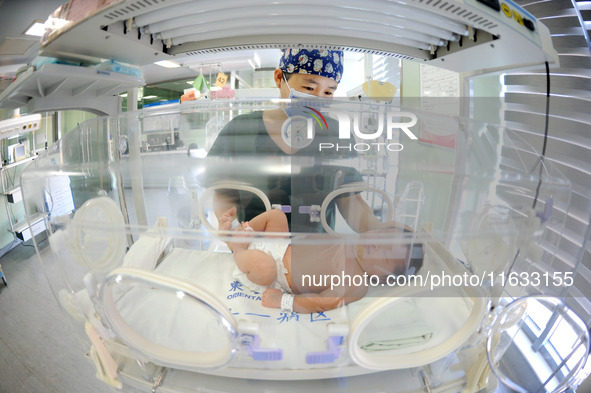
[[167, 64], [37, 28], [415, 29], [56, 23], [398, 19], [149, 97]]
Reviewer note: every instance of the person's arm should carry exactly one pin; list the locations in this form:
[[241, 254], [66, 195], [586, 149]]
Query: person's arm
[[315, 302], [223, 146], [224, 143], [237, 139], [360, 217], [358, 214]]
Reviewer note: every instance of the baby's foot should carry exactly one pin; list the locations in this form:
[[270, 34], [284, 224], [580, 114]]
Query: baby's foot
[[226, 219]]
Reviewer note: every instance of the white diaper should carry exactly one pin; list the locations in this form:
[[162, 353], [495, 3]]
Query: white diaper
[[276, 249]]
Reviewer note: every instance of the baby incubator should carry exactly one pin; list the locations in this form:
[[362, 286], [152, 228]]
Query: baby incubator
[[148, 282]]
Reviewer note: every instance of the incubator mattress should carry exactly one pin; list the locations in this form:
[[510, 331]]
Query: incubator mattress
[[412, 325]]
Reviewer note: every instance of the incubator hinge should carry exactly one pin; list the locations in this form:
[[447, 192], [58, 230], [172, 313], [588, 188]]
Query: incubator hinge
[[313, 211], [251, 344], [333, 351], [250, 340], [425, 382], [284, 208], [336, 332], [159, 379]]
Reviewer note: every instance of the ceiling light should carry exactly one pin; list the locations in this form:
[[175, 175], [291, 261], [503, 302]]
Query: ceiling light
[[56, 23], [167, 64], [37, 28]]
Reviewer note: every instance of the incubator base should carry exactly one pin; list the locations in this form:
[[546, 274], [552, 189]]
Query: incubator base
[[178, 381]]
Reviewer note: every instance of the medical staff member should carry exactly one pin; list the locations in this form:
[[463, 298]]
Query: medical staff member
[[302, 73]]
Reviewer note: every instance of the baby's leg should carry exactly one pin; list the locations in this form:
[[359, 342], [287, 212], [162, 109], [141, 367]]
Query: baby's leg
[[225, 220], [258, 266], [270, 221], [225, 224]]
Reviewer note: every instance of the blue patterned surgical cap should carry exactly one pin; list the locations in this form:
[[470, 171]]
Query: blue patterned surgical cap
[[323, 62]]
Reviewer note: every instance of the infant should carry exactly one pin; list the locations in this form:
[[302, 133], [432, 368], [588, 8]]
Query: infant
[[294, 274]]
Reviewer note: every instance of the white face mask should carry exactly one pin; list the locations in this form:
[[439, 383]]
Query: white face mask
[[293, 93], [297, 106]]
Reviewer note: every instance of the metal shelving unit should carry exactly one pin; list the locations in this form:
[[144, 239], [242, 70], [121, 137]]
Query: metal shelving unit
[[16, 128], [59, 87]]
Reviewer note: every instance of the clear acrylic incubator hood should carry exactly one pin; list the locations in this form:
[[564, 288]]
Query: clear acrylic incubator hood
[[408, 235], [357, 246]]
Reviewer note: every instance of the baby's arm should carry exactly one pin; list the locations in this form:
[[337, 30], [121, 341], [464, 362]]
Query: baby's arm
[[315, 302]]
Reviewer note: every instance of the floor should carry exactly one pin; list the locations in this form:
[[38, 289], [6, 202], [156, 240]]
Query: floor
[[38, 350]]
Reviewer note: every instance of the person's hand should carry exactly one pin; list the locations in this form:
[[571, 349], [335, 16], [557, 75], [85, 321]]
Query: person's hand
[[272, 298]]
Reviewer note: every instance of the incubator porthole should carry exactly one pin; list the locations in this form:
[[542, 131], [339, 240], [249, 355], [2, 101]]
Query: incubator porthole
[[136, 300], [534, 330], [379, 340], [101, 246]]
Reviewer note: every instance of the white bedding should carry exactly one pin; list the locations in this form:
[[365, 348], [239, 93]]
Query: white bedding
[[163, 318], [410, 327], [175, 324]]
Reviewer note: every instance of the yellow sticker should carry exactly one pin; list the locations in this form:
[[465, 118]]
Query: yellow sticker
[[220, 80]]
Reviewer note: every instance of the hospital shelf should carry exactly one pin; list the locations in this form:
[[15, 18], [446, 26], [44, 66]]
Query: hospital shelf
[[60, 86], [25, 232], [12, 165], [12, 197], [18, 129]]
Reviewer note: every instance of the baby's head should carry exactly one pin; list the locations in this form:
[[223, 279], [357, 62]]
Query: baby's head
[[390, 258]]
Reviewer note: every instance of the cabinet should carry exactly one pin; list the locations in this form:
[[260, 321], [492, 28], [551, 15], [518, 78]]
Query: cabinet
[[19, 146]]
